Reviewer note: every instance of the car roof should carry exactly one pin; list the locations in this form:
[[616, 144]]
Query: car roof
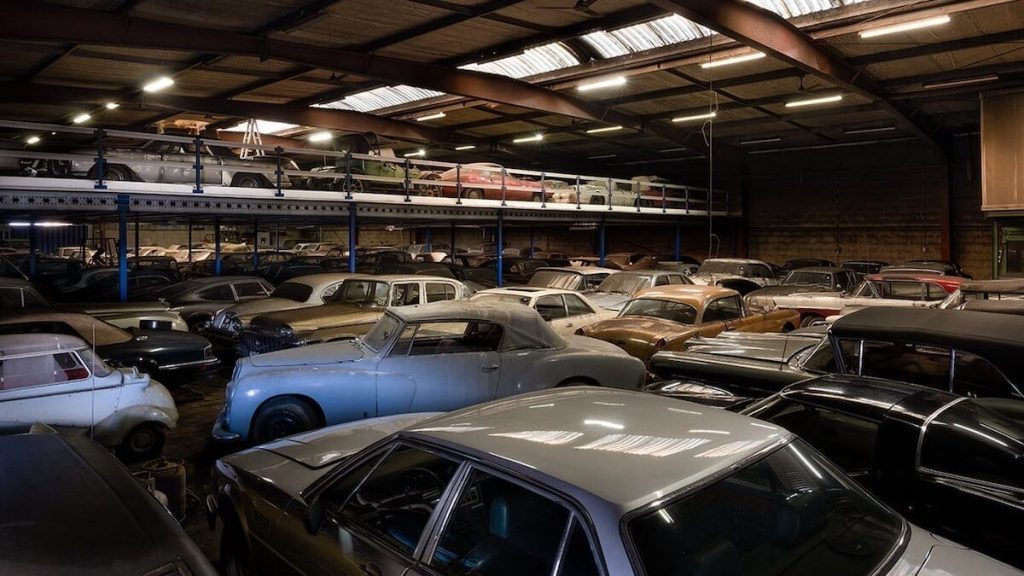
[[581, 270], [831, 269], [870, 397], [16, 344], [736, 260], [409, 277], [526, 291], [691, 294], [918, 275], [595, 440], [523, 326], [323, 278], [1001, 286]]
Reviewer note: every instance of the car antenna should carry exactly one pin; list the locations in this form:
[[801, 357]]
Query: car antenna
[[785, 348], [92, 385]]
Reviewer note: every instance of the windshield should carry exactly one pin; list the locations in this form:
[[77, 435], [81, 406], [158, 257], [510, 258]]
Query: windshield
[[292, 291], [363, 292], [625, 283], [787, 514], [555, 279], [720, 267], [798, 277], [381, 332], [665, 309]]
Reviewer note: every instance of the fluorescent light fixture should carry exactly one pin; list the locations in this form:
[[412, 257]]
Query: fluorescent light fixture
[[83, 117], [431, 117], [323, 136], [606, 83], [605, 129], [814, 101], [960, 81], [38, 224], [534, 138], [850, 132], [112, 105], [420, 152], [760, 141], [466, 147], [601, 157], [733, 60], [704, 116], [32, 140], [668, 150], [905, 26], [158, 84]]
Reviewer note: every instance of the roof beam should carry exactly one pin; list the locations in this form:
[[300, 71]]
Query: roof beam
[[34, 21], [773, 35], [468, 13]]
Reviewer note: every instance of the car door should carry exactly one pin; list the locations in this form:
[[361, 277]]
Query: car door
[[54, 388], [578, 313], [405, 293], [440, 366], [726, 314]]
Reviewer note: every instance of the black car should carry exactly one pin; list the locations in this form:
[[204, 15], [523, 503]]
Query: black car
[[70, 508], [950, 464], [199, 299], [865, 267], [107, 289], [167, 355], [281, 272]]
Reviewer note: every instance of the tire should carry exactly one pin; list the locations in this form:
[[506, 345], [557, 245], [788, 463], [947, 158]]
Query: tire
[[144, 442], [247, 181], [595, 199], [58, 168], [573, 382], [787, 328], [234, 554], [475, 194], [811, 320], [537, 197], [283, 417]]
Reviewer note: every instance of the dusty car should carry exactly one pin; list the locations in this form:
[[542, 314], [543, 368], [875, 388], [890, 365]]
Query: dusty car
[[614, 291], [564, 310], [56, 379], [740, 274], [865, 267], [797, 263], [944, 267], [569, 278], [569, 482], [482, 180], [594, 192], [515, 270], [815, 279], [665, 318], [167, 355], [919, 450], [984, 291], [70, 508], [350, 312], [439, 356], [200, 299]]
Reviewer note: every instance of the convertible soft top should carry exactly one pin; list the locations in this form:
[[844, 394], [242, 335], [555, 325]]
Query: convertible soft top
[[524, 327]]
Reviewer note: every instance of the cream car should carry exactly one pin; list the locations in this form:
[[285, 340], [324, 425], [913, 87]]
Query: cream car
[[564, 310]]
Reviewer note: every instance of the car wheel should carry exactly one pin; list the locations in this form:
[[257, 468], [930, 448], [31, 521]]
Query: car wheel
[[595, 199], [144, 442], [576, 382], [537, 197], [246, 181], [283, 417], [475, 194], [234, 556], [811, 320]]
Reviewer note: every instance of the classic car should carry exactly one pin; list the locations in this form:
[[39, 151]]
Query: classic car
[[440, 356], [301, 292], [70, 508], [433, 252], [564, 310], [172, 163], [594, 192], [18, 295], [350, 312], [57, 380], [107, 289], [515, 270], [742, 275], [164, 354], [570, 482], [888, 289], [796, 263], [978, 291], [614, 291], [624, 260], [569, 278], [664, 318], [943, 267], [963, 352], [281, 272], [815, 279], [865, 267], [950, 464], [73, 253], [482, 180], [200, 299]]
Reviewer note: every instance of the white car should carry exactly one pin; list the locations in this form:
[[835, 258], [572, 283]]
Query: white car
[[73, 253], [55, 379], [741, 274], [564, 310], [595, 192]]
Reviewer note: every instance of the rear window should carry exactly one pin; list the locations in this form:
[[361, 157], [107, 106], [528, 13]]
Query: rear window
[[555, 279], [293, 291], [664, 309], [790, 513]]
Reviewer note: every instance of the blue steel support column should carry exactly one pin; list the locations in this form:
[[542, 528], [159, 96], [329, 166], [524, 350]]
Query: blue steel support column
[[136, 236], [679, 239], [500, 247], [32, 249], [216, 246], [197, 168], [122, 246], [352, 237], [600, 243]]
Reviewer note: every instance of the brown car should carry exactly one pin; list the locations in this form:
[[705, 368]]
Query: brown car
[[664, 318]]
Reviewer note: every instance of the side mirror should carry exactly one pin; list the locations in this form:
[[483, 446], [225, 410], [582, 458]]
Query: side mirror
[[313, 519]]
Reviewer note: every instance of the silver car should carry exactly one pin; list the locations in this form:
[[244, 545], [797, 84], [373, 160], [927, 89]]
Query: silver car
[[438, 356], [567, 482]]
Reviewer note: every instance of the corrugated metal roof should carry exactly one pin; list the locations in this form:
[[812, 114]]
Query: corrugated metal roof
[[383, 97], [539, 60]]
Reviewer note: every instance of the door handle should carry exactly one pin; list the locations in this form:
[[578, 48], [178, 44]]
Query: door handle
[[490, 368], [369, 569]]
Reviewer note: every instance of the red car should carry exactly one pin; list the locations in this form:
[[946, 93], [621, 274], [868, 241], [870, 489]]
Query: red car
[[475, 176]]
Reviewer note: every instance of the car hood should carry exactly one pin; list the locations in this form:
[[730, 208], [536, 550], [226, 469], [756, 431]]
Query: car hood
[[609, 300], [637, 335], [788, 290], [168, 341], [316, 354], [709, 278], [316, 317], [102, 308], [246, 310], [950, 559]]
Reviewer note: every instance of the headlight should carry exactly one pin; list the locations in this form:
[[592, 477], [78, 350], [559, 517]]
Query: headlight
[[286, 331]]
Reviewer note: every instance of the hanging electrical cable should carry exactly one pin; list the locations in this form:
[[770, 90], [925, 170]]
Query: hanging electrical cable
[[707, 131]]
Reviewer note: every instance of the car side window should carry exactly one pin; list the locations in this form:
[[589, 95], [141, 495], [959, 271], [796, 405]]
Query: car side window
[[822, 359], [967, 440], [758, 271], [915, 363], [439, 291], [405, 294], [550, 307], [430, 338], [396, 500], [249, 289], [334, 496], [974, 376], [676, 279], [576, 306], [29, 371], [578, 558], [662, 280], [330, 290], [217, 293], [497, 524], [723, 309], [935, 292], [10, 298]]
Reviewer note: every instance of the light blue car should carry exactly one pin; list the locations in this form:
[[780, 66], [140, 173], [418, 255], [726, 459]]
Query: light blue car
[[431, 357]]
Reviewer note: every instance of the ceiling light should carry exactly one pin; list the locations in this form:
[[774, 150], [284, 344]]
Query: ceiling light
[[869, 130], [814, 101], [733, 60], [431, 117], [606, 83], [319, 136], [601, 157], [112, 105], [158, 84], [534, 138], [960, 81], [760, 141], [466, 147], [605, 129], [32, 140], [38, 224], [667, 150], [905, 26], [704, 116], [420, 152], [83, 117]]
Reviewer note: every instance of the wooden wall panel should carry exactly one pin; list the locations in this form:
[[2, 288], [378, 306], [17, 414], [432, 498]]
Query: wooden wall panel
[[1002, 152]]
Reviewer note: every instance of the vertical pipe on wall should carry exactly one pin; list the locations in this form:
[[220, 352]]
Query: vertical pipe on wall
[[352, 237], [216, 246], [499, 248], [32, 240], [679, 240], [122, 246], [600, 243]]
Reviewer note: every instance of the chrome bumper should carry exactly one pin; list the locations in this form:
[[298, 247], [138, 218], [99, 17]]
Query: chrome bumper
[[204, 363], [220, 431]]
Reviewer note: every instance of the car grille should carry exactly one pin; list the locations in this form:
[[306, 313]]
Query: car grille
[[258, 343]]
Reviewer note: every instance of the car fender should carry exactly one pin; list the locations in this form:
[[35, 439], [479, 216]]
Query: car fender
[[111, 430], [616, 370]]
